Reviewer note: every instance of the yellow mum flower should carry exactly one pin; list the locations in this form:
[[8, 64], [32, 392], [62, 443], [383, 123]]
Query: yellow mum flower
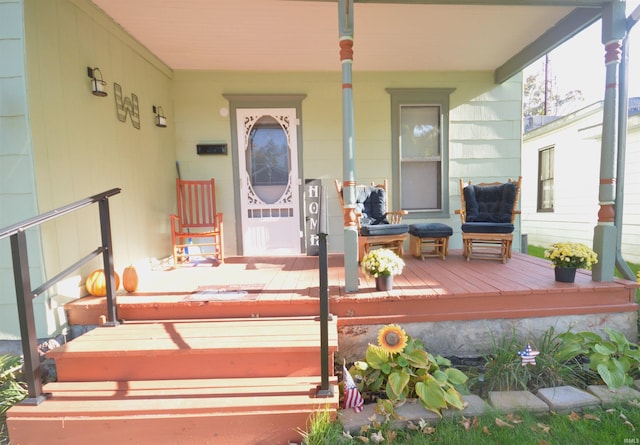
[[576, 255], [392, 338]]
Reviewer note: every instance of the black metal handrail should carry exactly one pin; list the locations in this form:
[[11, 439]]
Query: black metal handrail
[[325, 389], [25, 295]]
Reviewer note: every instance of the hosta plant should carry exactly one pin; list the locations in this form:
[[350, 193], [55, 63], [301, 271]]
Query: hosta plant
[[400, 368], [616, 360]]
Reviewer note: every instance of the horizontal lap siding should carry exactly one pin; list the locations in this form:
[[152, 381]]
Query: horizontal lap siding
[[631, 230], [578, 137], [484, 141], [18, 197]]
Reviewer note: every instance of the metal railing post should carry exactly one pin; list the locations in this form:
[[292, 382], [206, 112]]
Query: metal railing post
[[325, 389], [107, 256], [26, 318]]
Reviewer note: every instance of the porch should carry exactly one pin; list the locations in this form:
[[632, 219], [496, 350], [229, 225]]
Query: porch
[[457, 306], [208, 353]]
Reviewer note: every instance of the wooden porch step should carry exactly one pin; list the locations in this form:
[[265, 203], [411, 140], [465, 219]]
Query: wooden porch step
[[88, 310], [196, 349], [203, 411]]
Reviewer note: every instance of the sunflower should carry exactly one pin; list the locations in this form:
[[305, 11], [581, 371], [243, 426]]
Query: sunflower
[[392, 338]]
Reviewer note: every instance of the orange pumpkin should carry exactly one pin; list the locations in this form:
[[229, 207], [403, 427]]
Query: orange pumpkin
[[97, 284], [130, 278]]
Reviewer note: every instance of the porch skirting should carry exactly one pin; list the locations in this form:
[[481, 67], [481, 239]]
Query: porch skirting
[[472, 338]]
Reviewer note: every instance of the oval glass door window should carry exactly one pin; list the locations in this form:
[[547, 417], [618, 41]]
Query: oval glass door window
[[268, 160]]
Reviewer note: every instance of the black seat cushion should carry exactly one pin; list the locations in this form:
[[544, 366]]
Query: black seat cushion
[[487, 227], [430, 230], [490, 203], [383, 229]]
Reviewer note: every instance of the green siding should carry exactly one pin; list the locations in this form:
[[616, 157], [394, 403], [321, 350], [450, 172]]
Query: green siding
[[485, 128], [17, 186]]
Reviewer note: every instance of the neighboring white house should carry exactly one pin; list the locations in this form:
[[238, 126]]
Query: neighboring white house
[[560, 169]]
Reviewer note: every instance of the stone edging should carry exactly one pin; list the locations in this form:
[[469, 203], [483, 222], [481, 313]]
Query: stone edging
[[557, 399]]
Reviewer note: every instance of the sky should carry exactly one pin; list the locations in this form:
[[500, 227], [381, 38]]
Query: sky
[[579, 63]]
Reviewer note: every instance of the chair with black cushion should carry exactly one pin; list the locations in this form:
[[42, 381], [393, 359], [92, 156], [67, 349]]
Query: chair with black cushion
[[488, 214], [376, 226]]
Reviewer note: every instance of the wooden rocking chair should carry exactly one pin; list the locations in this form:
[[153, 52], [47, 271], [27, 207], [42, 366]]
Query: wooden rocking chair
[[376, 226], [487, 214], [196, 219]]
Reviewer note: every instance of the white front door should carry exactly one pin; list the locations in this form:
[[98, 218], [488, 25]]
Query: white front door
[[269, 182]]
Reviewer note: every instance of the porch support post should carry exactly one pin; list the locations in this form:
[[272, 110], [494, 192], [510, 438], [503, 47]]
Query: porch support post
[[605, 235], [345, 13]]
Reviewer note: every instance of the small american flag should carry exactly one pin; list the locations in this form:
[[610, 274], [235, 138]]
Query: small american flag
[[352, 397], [528, 355]]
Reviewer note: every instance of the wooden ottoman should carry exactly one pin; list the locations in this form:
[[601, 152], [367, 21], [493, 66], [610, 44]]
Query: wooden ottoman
[[429, 240]]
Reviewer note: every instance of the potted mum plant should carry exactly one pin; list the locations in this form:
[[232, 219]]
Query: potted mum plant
[[382, 264], [568, 257]]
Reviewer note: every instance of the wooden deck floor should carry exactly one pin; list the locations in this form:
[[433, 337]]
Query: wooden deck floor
[[430, 290]]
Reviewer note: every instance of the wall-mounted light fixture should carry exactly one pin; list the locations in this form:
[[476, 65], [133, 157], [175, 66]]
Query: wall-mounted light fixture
[[161, 120], [98, 86]]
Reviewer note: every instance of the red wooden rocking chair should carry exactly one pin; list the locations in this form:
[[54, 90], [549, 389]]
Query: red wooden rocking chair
[[196, 219]]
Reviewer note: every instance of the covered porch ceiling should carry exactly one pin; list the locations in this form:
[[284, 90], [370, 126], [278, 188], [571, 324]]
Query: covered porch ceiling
[[503, 36]]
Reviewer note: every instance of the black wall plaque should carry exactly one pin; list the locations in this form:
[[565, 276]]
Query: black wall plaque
[[212, 149]]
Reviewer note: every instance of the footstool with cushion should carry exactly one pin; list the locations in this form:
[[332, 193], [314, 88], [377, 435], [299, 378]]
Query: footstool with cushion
[[429, 240]]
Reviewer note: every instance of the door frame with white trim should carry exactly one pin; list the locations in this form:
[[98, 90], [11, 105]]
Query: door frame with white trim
[[267, 223]]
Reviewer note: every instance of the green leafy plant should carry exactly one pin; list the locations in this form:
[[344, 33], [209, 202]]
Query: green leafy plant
[[400, 367], [12, 390], [616, 360], [321, 429], [504, 370]]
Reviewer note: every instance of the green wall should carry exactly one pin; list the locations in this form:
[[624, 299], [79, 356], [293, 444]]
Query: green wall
[[18, 198], [76, 146], [485, 129]]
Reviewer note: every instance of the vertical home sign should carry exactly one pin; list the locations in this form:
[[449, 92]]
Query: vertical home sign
[[312, 189]]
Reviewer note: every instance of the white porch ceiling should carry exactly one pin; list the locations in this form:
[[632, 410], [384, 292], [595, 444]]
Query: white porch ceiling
[[284, 35]]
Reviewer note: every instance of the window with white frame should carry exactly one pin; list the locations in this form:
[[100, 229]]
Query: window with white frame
[[419, 119], [545, 179]]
